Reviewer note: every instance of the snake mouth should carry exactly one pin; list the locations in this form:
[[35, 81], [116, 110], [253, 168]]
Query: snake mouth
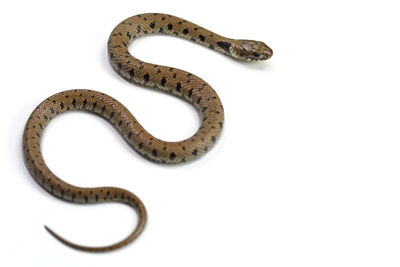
[[176, 82], [264, 56], [268, 53]]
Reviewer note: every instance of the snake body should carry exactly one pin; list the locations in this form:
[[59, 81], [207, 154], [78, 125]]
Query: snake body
[[174, 81]]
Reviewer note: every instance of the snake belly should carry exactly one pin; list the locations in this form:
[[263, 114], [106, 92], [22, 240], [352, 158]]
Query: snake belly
[[171, 80]]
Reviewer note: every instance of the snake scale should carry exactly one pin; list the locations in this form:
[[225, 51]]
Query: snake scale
[[171, 80]]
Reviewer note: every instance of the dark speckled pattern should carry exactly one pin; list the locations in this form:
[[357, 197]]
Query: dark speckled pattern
[[175, 81]]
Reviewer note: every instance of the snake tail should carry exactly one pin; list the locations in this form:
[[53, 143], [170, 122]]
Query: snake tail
[[174, 81]]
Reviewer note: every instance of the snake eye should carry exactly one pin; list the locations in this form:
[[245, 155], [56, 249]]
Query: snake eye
[[256, 56]]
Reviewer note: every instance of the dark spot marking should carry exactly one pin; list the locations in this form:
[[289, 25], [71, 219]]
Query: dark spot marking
[[74, 102], [131, 73], [129, 35], [194, 152], [154, 153], [129, 135], [120, 123], [199, 100], [146, 77], [86, 199], [178, 87], [94, 105], [172, 156], [163, 81], [170, 26], [52, 110], [62, 105], [152, 25], [84, 103], [190, 92], [211, 46], [202, 38], [103, 109], [225, 46], [138, 28], [111, 115], [140, 145], [186, 31], [213, 139]]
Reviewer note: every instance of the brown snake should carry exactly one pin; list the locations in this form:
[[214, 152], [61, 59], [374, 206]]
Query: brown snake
[[174, 81]]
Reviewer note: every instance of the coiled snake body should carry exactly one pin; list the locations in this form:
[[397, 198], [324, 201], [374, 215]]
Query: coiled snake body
[[178, 82]]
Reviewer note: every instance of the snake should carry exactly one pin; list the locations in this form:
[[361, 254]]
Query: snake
[[180, 83]]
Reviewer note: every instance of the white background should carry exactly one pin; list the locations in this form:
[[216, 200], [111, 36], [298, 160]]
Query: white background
[[306, 172]]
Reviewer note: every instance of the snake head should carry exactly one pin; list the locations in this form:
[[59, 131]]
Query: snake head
[[251, 50]]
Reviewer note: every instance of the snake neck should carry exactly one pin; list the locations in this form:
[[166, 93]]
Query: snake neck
[[134, 27]]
